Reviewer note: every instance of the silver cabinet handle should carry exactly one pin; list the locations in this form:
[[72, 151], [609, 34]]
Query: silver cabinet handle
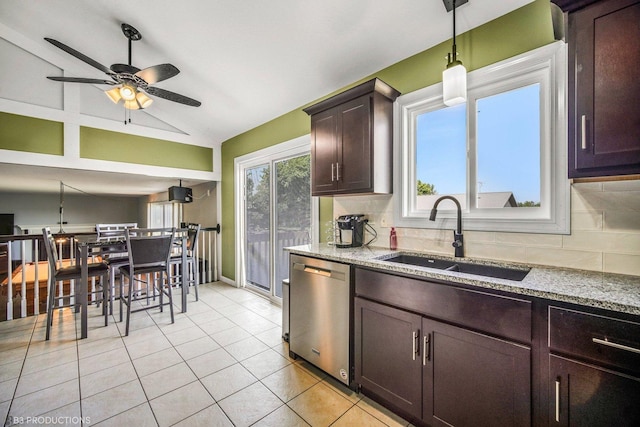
[[414, 338], [558, 400], [616, 345], [332, 172], [337, 171], [584, 132], [426, 351]]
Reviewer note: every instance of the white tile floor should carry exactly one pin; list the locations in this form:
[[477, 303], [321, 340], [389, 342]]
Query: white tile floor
[[221, 364]]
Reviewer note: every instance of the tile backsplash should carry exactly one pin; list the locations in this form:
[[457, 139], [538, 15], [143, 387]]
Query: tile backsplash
[[605, 231]]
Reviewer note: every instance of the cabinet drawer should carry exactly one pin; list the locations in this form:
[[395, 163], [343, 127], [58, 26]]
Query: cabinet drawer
[[495, 314], [596, 338]]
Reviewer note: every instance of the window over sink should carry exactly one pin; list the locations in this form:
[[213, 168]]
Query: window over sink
[[502, 154]]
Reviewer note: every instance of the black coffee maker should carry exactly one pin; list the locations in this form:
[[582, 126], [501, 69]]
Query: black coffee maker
[[350, 230]]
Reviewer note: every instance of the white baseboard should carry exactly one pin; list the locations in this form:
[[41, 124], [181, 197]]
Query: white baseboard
[[228, 281]]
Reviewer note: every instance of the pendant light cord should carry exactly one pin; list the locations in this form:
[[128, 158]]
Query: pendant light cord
[[454, 52]]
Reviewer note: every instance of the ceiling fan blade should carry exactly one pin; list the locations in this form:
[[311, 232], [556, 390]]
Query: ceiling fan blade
[[82, 80], [157, 73], [78, 55], [172, 96], [124, 68]]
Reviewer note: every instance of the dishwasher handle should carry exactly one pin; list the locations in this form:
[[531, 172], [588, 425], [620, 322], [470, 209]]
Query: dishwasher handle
[[319, 271]]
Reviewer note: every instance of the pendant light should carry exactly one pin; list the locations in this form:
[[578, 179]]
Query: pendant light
[[454, 77]]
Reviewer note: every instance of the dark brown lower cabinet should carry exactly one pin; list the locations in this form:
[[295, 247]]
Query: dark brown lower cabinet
[[588, 395], [471, 379], [386, 350], [438, 373]]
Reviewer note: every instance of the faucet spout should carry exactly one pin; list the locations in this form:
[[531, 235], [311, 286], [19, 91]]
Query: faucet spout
[[458, 243]]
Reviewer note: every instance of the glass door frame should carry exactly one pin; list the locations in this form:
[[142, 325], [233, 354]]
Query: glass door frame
[[293, 148]]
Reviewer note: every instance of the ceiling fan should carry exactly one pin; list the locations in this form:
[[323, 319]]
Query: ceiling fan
[[131, 83]]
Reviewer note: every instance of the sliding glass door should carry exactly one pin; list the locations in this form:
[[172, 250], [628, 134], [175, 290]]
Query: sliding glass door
[[257, 220], [292, 211], [276, 212]]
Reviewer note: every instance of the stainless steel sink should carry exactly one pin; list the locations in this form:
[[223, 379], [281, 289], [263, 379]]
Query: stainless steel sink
[[462, 267]]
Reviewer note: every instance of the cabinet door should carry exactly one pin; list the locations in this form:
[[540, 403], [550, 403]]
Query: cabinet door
[[324, 152], [354, 153], [388, 362], [585, 395], [604, 60], [475, 380]]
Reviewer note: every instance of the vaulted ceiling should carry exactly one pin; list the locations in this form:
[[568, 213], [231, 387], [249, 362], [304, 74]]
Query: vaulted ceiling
[[247, 61]]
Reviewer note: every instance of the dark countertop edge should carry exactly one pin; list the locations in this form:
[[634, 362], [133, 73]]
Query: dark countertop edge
[[551, 283]]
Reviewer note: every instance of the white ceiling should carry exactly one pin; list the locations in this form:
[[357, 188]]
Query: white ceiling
[[39, 179], [247, 61]]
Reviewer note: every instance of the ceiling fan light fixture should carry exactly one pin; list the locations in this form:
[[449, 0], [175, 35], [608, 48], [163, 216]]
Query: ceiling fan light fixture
[[114, 94], [128, 93], [143, 100], [131, 105]]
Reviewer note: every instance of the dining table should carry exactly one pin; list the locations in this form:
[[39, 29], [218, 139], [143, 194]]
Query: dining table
[[90, 246]]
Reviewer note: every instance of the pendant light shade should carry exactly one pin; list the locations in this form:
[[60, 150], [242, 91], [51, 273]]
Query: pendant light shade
[[143, 100], [454, 77], [454, 85], [131, 105], [114, 94]]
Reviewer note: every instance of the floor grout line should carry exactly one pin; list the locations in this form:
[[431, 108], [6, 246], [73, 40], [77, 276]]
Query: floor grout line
[[241, 308]]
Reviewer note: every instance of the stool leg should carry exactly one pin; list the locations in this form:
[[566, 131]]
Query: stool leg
[[50, 302], [195, 277], [105, 299], [128, 307], [170, 298], [122, 293]]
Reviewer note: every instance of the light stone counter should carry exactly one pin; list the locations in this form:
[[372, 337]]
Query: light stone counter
[[601, 290]]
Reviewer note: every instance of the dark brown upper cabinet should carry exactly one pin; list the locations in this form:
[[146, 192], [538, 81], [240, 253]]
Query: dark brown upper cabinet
[[352, 141], [604, 112]]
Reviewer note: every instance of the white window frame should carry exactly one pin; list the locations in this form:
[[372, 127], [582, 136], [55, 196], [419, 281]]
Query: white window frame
[[548, 67]]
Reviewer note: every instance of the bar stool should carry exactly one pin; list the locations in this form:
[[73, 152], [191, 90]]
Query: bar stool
[[149, 251], [190, 277], [58, 273], [114, 256]]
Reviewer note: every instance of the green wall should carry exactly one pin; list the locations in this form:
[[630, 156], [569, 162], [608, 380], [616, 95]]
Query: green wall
[[121, 147], [517, 32], [33, 135], [21, 133]]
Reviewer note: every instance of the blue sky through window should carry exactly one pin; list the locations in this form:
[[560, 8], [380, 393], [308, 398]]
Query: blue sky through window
[[508, 145]]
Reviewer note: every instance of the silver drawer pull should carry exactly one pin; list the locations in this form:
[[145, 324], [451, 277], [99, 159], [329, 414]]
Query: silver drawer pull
[[616, 345], [426, 351], [414, 337], [333, 172], [558, 400], [584, 132]]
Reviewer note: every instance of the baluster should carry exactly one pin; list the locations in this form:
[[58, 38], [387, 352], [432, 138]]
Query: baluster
[[36, 283], [9, 283], [23, 289]]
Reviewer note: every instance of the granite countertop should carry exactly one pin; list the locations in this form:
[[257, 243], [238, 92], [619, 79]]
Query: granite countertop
[[609, 291]]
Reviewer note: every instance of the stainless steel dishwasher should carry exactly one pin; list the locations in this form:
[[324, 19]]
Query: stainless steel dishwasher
[[319, 326]]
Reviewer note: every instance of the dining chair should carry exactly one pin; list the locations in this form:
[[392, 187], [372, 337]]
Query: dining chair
[[149, 251], [61, 274], [190, 277], [115, 256]]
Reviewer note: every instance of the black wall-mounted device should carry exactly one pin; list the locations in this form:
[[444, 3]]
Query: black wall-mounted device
[[180, 194]]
